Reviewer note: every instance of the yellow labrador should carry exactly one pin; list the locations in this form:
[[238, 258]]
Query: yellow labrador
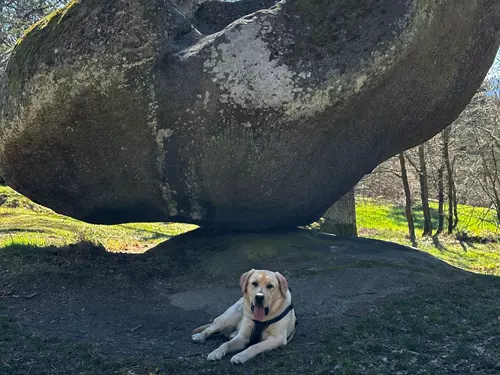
[[263, 319]]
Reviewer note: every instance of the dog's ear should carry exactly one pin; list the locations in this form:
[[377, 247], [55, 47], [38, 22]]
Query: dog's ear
[[244, 280], [283, 283]]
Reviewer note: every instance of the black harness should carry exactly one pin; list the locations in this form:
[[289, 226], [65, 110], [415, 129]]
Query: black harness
[[259, 327]]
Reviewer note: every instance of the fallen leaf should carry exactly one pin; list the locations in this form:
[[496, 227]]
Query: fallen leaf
[[135, 328]]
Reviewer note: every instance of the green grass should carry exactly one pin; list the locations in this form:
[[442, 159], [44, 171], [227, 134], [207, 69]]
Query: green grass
[[23, 222], [385, 221], [389, 218]]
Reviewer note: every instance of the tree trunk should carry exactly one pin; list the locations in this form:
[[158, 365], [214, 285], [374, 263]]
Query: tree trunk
[[440, 200], [424, 192], [340, 219], [408, 210], [449, 174], [455, 205]]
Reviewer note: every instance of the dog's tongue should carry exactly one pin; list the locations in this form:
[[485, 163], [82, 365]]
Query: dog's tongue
[[259, 313]]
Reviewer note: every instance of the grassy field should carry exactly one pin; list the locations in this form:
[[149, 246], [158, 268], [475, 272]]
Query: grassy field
[[387, 222], [26, 223], [449, 329]]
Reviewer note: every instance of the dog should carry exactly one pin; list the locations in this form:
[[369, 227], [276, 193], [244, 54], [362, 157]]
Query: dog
[[263, 319]]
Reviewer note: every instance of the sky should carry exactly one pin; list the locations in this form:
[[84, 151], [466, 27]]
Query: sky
[[495, 69]]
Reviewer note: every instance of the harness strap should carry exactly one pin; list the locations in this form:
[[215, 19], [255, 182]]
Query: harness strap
[[260, 327]]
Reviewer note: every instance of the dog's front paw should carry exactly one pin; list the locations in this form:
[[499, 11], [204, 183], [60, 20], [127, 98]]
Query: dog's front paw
[[198, 337], [216, 355], [239, 358]]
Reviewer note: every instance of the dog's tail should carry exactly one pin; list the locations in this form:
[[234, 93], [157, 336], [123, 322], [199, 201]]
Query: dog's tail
[[200, 329]]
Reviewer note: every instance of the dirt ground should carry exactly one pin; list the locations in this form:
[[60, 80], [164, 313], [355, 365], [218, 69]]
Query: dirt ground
[[146, 305]]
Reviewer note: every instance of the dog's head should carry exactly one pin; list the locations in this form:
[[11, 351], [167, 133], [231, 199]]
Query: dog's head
[[264, 291]]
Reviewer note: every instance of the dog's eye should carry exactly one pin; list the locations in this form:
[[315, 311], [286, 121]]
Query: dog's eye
[[270, 286], [255, 284]]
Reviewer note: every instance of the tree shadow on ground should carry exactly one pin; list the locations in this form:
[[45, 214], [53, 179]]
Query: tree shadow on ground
[[466, 244], [18, 230], [397, 215], [438, 244]]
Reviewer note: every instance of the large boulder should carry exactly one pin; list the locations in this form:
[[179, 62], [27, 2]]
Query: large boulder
[[149, 110]]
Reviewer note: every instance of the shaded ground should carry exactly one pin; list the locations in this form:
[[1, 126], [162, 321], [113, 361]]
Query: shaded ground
[[142, 308]]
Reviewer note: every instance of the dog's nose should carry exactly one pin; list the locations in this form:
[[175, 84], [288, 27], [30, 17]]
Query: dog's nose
[[259, 298]]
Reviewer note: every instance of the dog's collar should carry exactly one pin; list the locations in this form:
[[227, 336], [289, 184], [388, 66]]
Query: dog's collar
[[260, 327], [278, 318]]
